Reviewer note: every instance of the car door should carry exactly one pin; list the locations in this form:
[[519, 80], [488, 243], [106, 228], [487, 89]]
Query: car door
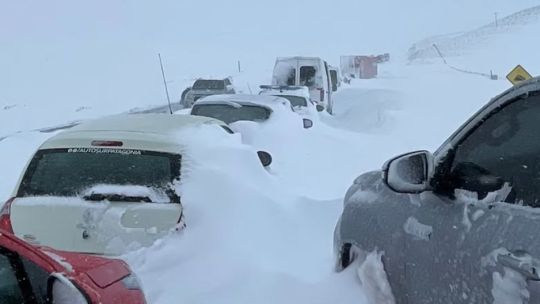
[[489, 192]]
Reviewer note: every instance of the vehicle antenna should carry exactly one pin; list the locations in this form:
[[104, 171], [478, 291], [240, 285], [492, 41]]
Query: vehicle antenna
[[165, 83]]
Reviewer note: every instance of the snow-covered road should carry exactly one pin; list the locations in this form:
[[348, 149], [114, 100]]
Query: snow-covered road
[[265, 236]]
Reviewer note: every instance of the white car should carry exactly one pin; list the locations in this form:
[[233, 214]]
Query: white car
[[244, 107], [298, 96], [104, 186]]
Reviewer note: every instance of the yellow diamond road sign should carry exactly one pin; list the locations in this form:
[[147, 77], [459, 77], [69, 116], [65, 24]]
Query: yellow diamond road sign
[[518, 74]]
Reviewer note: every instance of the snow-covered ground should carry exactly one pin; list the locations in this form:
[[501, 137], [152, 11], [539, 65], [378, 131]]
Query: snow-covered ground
[[265, 236]]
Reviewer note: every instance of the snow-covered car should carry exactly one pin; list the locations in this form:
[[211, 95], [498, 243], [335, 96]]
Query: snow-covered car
[[458, 225], [243, 107], [206, 87], [105, 186], [33, 274], [298, 96]]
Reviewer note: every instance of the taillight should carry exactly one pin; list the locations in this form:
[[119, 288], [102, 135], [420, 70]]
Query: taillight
[[5, 220], [107, 143]]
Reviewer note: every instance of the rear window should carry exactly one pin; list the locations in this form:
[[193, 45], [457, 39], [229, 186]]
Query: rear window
[[307, 76], [68, 172], [229, 114], [296, 101], [203, 84], [284, 74]]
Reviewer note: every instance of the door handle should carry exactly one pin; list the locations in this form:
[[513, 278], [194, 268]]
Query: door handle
[[522, 262]]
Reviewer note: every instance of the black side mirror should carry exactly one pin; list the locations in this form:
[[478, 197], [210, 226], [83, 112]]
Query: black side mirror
[[308, 123], [265, 158], [319, 108], [409, 173]]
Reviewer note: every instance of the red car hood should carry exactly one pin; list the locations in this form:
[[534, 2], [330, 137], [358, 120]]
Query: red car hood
[[103, 271]]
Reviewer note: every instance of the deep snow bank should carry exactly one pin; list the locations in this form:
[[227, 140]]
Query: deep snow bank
[[249, 239]]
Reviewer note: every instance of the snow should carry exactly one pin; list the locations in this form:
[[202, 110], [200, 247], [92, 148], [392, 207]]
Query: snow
[[509, 287], [374, 281], [60, 260], [254, 234], [418, 230]]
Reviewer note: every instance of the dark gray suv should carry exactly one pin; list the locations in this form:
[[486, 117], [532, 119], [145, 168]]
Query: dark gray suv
[[458, 225], [206, 87]]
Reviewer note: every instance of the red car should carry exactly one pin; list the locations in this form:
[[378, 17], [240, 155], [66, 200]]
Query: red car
[[36, 275]]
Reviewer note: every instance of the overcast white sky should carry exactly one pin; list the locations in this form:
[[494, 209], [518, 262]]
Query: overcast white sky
[[100, 52]]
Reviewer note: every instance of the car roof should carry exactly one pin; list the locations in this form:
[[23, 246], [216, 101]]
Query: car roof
[[298, 58], [151, 132], [158, 123], [267, 101], [300, 91]]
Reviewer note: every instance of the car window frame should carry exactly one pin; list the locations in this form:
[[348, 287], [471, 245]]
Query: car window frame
[[444, 157], [175, 164]]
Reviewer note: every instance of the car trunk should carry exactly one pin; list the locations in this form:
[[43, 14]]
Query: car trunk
[[73, 224], [97, 200]]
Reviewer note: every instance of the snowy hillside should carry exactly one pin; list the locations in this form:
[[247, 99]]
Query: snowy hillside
[[479, 39], [257, 235]]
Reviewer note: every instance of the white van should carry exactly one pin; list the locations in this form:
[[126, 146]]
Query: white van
[[312, 72]]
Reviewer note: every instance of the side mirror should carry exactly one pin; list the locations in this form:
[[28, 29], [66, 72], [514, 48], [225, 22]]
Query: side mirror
[[409, 173], [62, 291], [319, 108], [308, 123], [334, 87], [265, 157]]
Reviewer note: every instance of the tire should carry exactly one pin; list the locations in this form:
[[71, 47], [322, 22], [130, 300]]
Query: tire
[[330, 108], [346, 257]]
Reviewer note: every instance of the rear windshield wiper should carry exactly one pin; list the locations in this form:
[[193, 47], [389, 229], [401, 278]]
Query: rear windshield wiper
[[96, 197]]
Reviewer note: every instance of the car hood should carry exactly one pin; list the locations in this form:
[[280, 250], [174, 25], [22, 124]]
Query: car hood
[[101, 270]]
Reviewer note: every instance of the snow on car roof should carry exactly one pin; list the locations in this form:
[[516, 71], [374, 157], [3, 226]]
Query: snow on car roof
[[268, 101], [144, 123], [151, 132]]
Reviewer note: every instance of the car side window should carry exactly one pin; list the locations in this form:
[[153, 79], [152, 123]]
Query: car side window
[[505, 146], [38, 279], [10, 290]]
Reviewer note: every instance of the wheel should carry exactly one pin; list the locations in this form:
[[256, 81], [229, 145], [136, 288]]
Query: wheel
[[330, 108], [346, 257]]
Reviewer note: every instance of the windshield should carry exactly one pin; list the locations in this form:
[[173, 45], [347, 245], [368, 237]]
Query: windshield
[[68, 172], [203, 84], [229, 114], [296, 101]]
